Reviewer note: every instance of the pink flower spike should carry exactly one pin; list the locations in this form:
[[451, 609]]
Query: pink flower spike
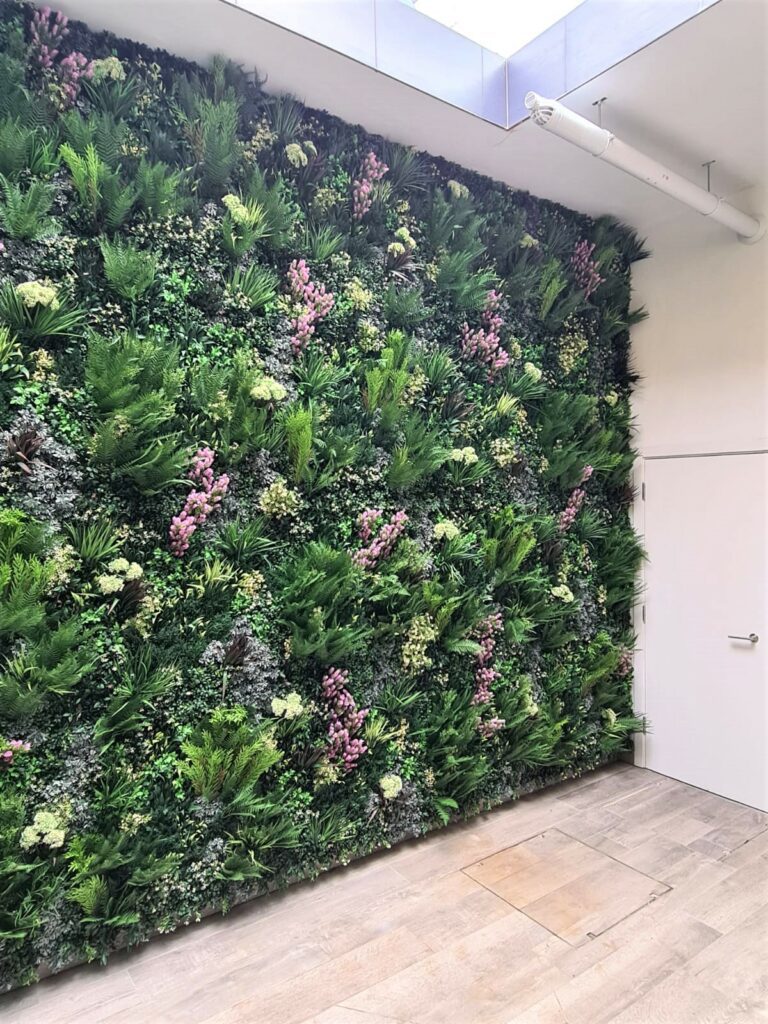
[[315, 301], [344, 721], [200, 503]]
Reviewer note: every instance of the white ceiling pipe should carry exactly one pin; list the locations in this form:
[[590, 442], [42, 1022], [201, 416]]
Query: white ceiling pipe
[[554, 117]]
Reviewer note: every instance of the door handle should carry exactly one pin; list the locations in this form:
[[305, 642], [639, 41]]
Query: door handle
[[752, 638]]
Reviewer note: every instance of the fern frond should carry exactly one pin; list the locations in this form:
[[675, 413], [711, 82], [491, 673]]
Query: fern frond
[[130, 271]]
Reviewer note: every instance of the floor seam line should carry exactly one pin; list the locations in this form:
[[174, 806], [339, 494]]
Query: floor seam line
[[727, 853]]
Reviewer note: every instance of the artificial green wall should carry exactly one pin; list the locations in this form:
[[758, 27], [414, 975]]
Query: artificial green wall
[[314, 469]]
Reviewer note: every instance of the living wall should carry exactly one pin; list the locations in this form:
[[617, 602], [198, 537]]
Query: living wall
[[314, 457]]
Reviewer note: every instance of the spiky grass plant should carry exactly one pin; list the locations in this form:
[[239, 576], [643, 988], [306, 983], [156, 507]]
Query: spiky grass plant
[[39, 315], [24, 212], [256, 284]]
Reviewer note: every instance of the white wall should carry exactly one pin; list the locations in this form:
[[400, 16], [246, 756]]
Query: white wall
[[702, 355]]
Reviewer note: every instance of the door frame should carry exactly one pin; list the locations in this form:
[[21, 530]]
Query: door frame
[[637, 517]]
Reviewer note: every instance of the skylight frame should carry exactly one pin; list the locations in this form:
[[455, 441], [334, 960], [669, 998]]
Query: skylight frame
[[395, 39], [485, 22]]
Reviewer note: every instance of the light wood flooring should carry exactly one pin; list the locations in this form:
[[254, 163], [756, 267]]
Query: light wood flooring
[[623, 897]]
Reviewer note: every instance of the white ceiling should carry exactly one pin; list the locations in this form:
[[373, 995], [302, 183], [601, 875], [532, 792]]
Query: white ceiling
[[697, 94]]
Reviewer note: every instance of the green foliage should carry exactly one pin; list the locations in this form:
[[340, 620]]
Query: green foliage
[[142, 681], [453, 223], [98, 131], [453, 751], [243, 227], [130, 271], [320, 591], [113, 97], [556, 304], [317, 378], [94, 542], [57, 320], [321, 242], [263, 827], [186, 727], [508, 542], [419, 454], [278, 212], [42, 656], [386, 382], [610, 232], [465, 287], [572, 437], [135, 384], [24, 582], [286, 117], [25, 148], [109, 873], [532, 737], [105, 201], [245, 543], [24, 214], [226, 758], [257, 284], [92, 896], [407, 172], [620, 554], [157, 189], [298, 424], [21, 534], [221, 396], [11, 357], [551, 284], [403, 307], [212, 134]]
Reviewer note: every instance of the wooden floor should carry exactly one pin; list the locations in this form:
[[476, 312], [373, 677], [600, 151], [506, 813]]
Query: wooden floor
[[622, 897]]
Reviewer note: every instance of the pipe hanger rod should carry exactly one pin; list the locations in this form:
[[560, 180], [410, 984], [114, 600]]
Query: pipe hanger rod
[[553, 117]]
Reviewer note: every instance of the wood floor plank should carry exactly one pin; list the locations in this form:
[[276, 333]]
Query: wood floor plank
[[736, 964], [322, 987], [575, 891], [678, 999], [725, 906], [535, 867], [470, 980], [659, 857], [428, 933], [594, 902], [749, 851], [628, 970], [344, 1015], [76, 996]]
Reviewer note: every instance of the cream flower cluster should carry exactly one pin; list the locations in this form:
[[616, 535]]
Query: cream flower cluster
[[47, 829], [446, 530], [466, 455], [278, 500], [290, 706], [37, 293], [268, 390], [391, 786], [120, 572]]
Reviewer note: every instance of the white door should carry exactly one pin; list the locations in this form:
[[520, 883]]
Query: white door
[[706, 693]]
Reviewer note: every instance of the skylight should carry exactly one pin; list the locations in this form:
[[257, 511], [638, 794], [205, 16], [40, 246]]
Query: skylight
[[503, 26]]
